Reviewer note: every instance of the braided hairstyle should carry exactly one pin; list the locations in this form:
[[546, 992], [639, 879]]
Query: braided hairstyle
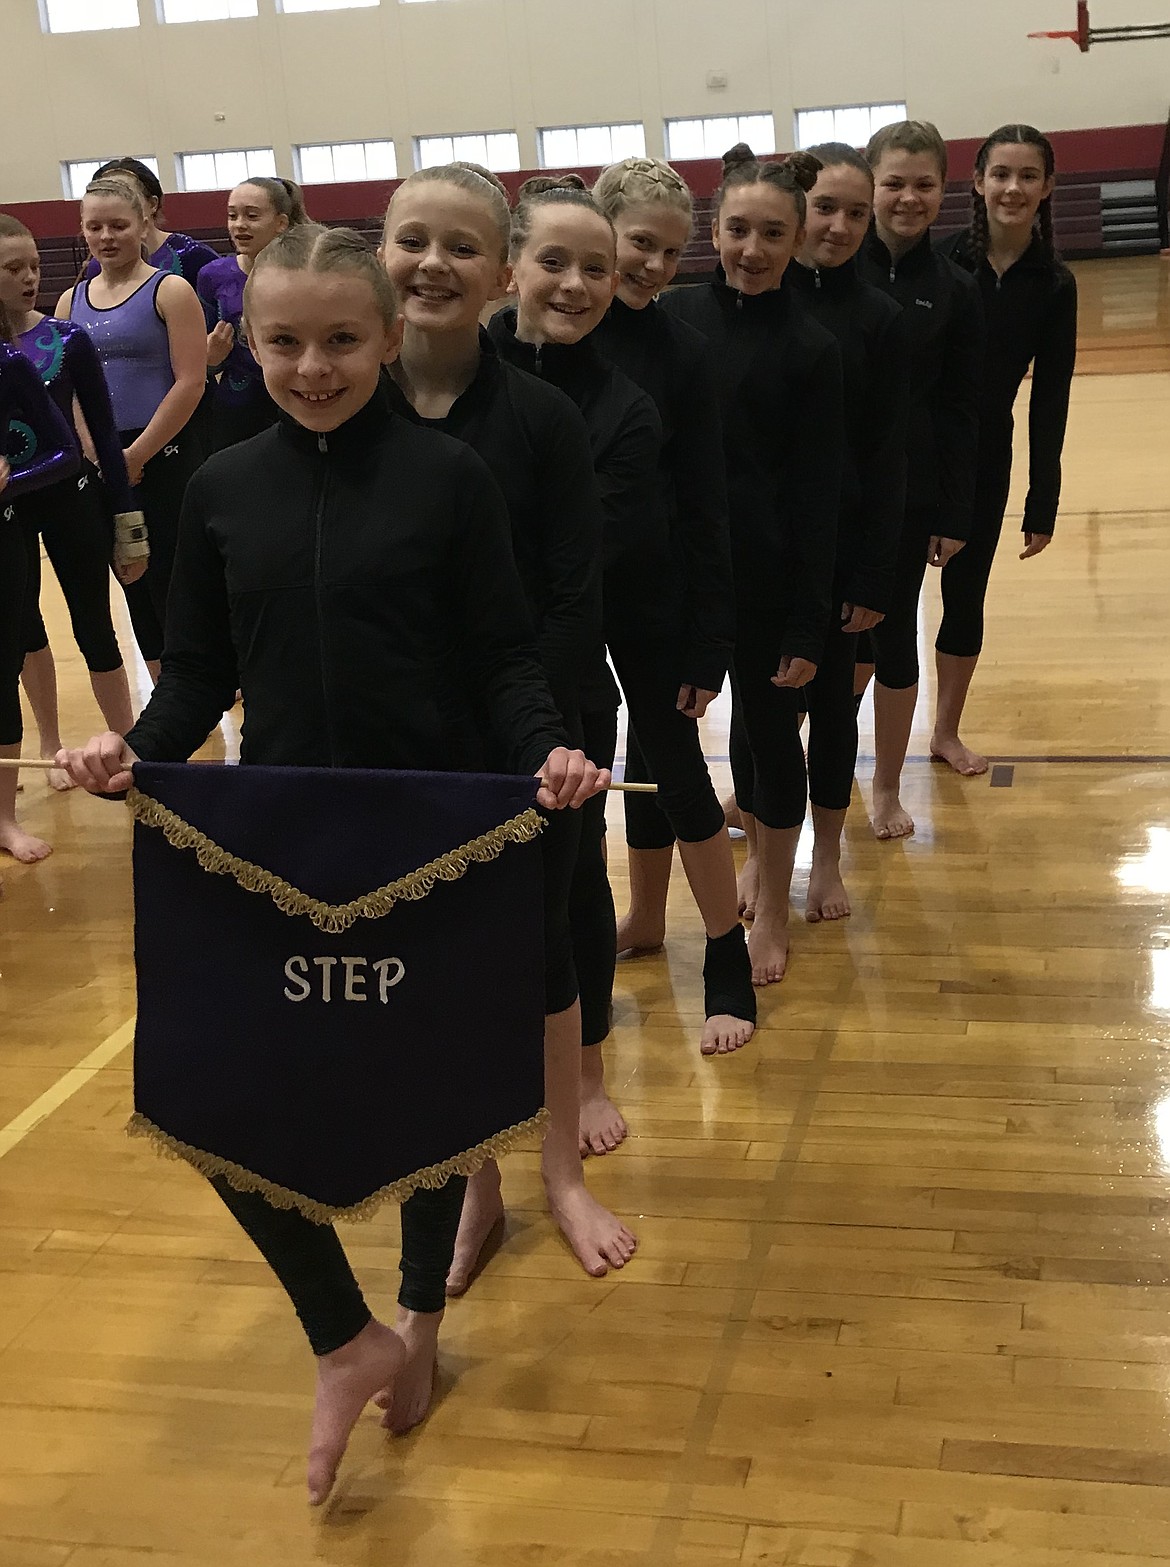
[[565, 190], [1013, 136], [796, 174], [636, 182]]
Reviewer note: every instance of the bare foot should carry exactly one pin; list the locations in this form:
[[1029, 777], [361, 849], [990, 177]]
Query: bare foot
[[636, 939], [599, 1240], [408, 1402], [603, 1127], [724, 1034], [481, 1228], [347, 1380], [768, 948], [827, 898], [747, 885], [890, 817], [22, 845], [58, 778], [731, 817], [952, 751]]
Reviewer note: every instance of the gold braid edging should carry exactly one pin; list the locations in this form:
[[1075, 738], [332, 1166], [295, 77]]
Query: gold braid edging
[[432, 1178], [333, 917]]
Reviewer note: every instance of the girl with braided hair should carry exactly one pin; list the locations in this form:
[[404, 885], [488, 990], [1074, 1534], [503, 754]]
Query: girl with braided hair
[[780, 390], [1030, 300]]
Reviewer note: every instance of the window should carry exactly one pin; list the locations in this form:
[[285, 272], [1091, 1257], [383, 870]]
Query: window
[[321, 5], [83, 16], [578, 146], [204, 10], [222, 170], [853, 125], [347, 160], [76, 176], [496, 150], [711, 138]]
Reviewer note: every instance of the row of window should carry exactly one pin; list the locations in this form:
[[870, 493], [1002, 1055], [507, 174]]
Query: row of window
[[566, 146], [78, 16]]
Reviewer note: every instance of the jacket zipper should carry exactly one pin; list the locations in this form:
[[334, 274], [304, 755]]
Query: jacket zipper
[[318, 548], [537, 362]]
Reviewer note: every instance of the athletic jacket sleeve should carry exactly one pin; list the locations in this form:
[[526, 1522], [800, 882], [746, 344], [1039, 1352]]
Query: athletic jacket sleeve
[[89, 383], [959, 389], [34, 437], [816, 438], [500, 660], [883, 475], [199, 679], [570, 634], [701, 498], [1052, 373], [627, 471]]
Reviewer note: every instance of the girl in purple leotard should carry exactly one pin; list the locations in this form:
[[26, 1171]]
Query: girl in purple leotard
[[168, 249]]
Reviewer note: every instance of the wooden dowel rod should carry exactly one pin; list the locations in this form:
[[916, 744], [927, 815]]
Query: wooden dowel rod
[[26, 761], [635, 788]]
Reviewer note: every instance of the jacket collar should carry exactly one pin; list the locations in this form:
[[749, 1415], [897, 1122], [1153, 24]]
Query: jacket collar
[[835, 282], [917, 258], [350, 440], [763, 307], [567, 365]]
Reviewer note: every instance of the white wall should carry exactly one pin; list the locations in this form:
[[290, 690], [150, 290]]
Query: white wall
[[404, 70]]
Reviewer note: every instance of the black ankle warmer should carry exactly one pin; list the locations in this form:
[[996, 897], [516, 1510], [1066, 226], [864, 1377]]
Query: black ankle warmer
[[727, 977]]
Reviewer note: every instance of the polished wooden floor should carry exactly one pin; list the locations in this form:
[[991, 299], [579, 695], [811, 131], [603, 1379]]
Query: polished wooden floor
[[903, 1295]]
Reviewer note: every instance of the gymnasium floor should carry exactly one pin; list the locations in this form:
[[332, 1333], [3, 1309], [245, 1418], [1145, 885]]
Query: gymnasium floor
[[902, 1294]]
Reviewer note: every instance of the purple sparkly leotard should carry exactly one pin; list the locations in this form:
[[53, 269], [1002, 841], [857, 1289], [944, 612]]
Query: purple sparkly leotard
[[177, 253], [134, 348], [65, 359], [36, 440], [221, 293]]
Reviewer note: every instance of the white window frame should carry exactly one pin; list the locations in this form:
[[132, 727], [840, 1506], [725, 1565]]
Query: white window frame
[[87, 16], [211, 11], [465, 145], [617, 140], [261, 163], [301, 7], [721, 131], [877, 115], [307, 176], [74, 186]]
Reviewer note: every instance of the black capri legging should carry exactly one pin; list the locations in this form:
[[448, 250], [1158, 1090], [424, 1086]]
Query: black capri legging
[[892, 646], [18, 550], [767, 757], [662, 747], [965, 576], [592, 918], [160, 495], [74, 522]]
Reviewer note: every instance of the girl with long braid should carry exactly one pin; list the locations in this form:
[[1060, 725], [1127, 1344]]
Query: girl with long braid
[[1030, 301]]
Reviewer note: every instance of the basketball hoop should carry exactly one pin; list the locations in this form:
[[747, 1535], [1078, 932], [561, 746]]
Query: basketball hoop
[[1083, 35]]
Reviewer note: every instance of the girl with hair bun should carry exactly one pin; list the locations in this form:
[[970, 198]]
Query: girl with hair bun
[[868, 327], [167, 249], [944, 328], [779, 378], [257, 211], [670, 615], [1030, 301], [445, 245]]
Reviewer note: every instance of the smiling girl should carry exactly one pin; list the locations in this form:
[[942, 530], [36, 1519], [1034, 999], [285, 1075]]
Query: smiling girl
[[779, 379], [1030, 300], [353, 574], [257, 211], [149, 333]]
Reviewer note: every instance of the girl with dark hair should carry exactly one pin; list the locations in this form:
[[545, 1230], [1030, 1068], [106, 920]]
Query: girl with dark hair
[[257, 211], [166, 249], [670, 617], [869, 330], [73, 517], [445, 246], [1030, 301], [944, 326], [779, 379], [36, 449]]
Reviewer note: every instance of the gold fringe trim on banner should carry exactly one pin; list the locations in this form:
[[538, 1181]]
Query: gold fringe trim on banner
[[432, 1178], [333, 917]]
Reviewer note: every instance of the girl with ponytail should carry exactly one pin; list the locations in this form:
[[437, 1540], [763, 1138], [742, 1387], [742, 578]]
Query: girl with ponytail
[[167, 249], [780, 394], [1030, 300]]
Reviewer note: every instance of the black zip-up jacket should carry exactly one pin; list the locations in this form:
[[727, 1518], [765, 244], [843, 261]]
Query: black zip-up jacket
[[534, 440], [625, 435], [684, 591], [1031, 320], [359, 587], [944, 323], [875, 363], [779, 378]]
